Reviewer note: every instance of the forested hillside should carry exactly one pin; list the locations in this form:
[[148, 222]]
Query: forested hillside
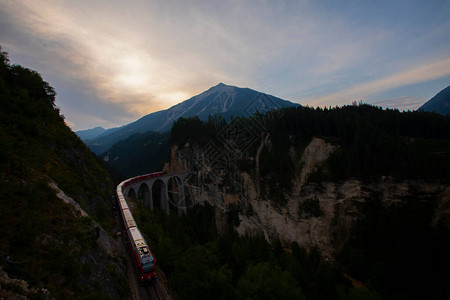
[[372, 142], [138, 154], [43, 240]]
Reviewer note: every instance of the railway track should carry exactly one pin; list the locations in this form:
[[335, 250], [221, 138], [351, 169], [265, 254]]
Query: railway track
[[154, 292], [151, 293], [157, 292]]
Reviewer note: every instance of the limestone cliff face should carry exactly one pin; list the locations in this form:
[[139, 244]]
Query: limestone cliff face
[[314, 214]]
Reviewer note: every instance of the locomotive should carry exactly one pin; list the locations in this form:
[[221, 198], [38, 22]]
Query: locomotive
[[142, 256]]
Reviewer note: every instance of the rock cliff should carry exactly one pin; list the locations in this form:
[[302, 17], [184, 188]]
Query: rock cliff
[[314, 214]]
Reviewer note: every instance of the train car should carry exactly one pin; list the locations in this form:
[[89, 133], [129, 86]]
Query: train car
[[143, 258]]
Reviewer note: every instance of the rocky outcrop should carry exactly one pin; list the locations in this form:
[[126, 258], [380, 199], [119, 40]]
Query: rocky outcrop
[[315, 153], [341, 205], [11, 288]]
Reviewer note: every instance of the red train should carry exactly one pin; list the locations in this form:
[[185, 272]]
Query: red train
[[143, 258]]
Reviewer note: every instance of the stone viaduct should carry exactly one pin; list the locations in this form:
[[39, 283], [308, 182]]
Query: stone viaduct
[[144, 190]]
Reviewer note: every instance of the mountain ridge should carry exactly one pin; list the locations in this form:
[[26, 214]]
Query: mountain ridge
[[92, 133], [439, 104], [222, 99]]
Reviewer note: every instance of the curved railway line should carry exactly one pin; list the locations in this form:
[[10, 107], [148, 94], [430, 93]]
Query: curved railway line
[[143, 260]]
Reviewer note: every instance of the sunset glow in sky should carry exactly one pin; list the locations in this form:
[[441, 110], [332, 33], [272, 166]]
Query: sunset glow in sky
[[113, 61]]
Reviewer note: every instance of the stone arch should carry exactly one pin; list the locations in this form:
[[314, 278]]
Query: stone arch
[[131, 193], [158, 194], [144, 195]]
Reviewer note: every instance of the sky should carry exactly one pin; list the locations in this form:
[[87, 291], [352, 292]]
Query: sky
[[112, 62]]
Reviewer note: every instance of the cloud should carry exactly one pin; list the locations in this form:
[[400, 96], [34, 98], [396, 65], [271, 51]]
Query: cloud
[[402, 103], [147, 56], [363, 91]]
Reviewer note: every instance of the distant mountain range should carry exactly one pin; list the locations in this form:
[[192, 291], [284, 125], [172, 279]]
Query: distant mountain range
[[221, 99], [440, 103], [90, 134]]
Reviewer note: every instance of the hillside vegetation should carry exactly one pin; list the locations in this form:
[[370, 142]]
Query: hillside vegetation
[[372, 142], [43, 241], [200, 263], [138, 154]]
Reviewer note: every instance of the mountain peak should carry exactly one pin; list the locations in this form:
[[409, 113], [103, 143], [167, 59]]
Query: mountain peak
[[222, 99], [221, 86]]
